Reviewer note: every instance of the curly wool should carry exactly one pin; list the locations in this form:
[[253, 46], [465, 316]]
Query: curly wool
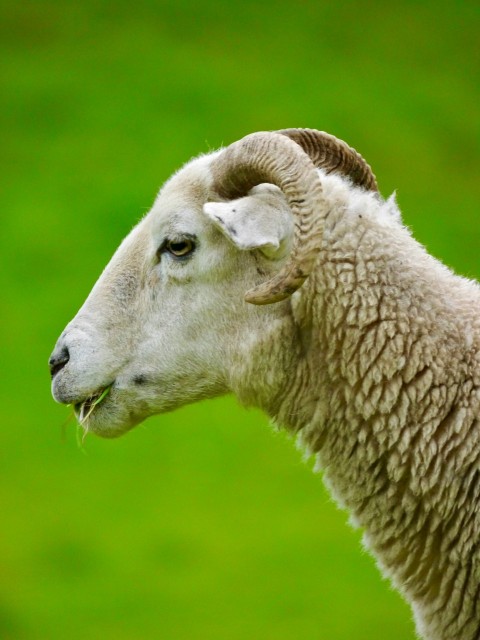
[[384, 345]]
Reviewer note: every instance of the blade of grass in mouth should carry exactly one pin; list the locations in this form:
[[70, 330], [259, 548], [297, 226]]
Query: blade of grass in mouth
[[93, 404]]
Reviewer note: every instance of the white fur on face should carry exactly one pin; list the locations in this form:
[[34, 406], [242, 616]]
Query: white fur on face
[[160, 329]]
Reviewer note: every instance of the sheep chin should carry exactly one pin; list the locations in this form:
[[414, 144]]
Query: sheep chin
[[108, 419]]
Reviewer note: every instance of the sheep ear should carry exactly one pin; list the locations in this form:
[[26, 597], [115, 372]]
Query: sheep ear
[[261, 220]]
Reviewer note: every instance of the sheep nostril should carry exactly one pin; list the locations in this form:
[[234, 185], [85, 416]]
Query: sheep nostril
[[58, 361]]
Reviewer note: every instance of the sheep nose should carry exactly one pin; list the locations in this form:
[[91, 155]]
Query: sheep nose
[[58, 360]]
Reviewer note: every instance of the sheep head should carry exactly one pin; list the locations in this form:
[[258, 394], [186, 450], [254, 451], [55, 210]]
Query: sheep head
[[163, 325]]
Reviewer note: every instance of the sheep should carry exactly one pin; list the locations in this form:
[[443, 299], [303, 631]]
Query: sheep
[[350, 336]]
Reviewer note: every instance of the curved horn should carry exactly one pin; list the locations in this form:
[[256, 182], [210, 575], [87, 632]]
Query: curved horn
[[271, 157], [333, 155], [282, 158]]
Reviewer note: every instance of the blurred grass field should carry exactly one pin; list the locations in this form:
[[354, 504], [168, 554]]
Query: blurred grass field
[[202, 524]]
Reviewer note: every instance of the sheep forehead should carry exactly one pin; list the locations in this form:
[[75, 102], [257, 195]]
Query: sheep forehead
[[178, 206], [177, 210]]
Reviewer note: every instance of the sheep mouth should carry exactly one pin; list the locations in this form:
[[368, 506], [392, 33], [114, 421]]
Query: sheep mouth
[[84, 409]]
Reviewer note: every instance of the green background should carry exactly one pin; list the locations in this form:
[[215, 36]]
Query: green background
[[202, 524]]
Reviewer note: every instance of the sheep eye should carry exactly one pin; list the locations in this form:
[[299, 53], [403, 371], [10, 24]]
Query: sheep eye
[[180, 248]]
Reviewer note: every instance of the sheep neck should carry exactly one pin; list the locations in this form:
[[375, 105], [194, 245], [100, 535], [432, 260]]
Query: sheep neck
[[386, 399]]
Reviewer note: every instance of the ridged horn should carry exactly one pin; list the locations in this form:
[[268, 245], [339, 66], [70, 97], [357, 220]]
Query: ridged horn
[[288, 159], [333, 156], [272, 157]]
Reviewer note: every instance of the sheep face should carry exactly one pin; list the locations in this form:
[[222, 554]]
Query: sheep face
[[166, 319]]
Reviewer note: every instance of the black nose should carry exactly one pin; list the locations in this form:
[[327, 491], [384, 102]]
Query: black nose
[[58, 360]]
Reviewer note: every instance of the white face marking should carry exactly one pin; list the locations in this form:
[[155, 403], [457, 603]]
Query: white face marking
[[161, 328]]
